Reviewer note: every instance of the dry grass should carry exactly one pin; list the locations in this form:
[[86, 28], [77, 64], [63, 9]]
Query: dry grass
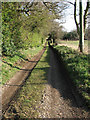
[[74, 45]]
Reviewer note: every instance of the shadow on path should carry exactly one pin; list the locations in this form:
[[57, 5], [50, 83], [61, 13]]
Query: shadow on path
[[59, 79], [13, 66]]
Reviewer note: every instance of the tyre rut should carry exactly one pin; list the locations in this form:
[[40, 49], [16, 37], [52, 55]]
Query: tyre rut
[[16, 82]]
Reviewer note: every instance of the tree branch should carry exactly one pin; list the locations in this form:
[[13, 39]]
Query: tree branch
[[70, 3], [85, 15], [46, 6], [77, 25]]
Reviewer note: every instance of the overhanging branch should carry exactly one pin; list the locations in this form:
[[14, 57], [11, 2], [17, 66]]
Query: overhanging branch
[[70, 2]]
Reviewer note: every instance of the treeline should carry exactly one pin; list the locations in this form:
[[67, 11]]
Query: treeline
[[73, 35], [70, 36], [24, 25]]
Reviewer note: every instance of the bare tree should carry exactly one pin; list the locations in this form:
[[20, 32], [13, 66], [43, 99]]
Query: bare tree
[[81, 26]]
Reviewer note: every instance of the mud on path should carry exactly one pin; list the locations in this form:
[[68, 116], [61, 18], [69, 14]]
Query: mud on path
[[60, 100], [11, 87]]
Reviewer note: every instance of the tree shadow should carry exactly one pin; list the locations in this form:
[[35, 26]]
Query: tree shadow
[[59, 78], [17, 66], [22, 84], [64, 86], [19, 55], [25, 58]]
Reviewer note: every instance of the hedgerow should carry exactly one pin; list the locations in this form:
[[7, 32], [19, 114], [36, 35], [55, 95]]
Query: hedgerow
[[78, 68]]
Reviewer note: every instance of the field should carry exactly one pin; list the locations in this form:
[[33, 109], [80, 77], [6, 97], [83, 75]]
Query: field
[[74, 44]]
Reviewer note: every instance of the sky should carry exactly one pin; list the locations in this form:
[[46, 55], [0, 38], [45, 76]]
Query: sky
[[68, 19]]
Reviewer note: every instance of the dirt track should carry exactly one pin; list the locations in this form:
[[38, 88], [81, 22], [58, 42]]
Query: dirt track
[[59, 99], [10, 88]]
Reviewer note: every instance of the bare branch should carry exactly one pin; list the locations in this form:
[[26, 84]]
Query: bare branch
[[70, 2], [85, 15], [45, 3], [77, 24]]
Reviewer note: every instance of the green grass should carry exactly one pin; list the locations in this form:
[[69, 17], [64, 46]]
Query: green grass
[[32, 51], [8, 71], [27, 102], [78, 68]]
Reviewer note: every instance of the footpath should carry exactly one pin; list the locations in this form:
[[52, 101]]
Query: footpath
[[59, 98]]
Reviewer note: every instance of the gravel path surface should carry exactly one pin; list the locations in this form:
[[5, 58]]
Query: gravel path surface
[[59, 101]]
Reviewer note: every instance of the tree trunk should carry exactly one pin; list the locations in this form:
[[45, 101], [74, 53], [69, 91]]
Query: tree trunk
[[85, 15], [81, 43], [75, 18]]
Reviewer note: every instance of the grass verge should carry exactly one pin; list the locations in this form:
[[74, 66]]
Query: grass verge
[[78, 68], [28, 99], [17, 60]]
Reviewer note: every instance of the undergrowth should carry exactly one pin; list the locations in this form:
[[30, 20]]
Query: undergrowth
[[78, 68]]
